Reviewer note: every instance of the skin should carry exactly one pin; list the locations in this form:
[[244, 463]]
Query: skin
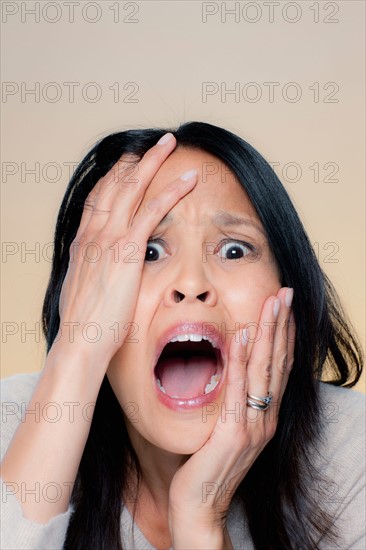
[[238, 292], [179, 453]]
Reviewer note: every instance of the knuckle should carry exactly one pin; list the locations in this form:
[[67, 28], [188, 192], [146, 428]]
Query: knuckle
[[241, 385], [126, 185], [156, 154], [173, 188], [244, 361], [102, 242], [90, 200], [153, 205], [267, 372], [263, 370], [153, 153], [94, 192], [83, 240], [152, 160], [128, 157], [281, 362], [127, 179], [101, 184]]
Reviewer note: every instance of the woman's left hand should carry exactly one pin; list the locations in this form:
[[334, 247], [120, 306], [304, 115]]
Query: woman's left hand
[[202, 489]]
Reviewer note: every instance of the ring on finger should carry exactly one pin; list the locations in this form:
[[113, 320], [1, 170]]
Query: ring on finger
[[266, 400], [255, 405], [259, 403]]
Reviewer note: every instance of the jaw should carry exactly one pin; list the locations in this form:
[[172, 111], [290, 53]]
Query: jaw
[[175, 425]]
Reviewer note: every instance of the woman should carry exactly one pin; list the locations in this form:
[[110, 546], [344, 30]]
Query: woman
[[180, 272]]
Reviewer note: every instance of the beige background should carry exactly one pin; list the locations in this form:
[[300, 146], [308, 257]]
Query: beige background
[[167, 51]]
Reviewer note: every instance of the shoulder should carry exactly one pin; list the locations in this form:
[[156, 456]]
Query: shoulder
[[347, 397], [342, 418], [340, 462], [343, 412]]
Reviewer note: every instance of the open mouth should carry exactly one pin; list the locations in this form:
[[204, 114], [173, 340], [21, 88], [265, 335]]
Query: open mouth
[[188, 369]]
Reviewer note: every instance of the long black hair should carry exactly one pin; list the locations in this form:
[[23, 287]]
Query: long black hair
[[276, 491]]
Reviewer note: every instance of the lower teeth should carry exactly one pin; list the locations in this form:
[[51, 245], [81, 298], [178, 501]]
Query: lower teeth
[[208, 389], [213, 383], [160, 386]]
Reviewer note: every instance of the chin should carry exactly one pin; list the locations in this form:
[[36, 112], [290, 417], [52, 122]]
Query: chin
[[183, 440]]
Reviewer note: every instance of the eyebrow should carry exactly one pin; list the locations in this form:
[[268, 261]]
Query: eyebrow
[[221, 218]]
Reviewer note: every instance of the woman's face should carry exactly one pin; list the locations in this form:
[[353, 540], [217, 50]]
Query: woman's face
[[207, 277]]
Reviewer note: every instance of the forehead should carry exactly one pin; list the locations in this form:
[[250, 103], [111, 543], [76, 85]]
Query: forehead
[[217, 187]]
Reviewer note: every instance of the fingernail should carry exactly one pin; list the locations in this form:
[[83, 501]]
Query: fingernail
[[289, 296], [276, 306], [245, 337], [188, 175], [166, 137]]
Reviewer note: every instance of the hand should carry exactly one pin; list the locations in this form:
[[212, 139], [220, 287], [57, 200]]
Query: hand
[[202, 489], [100, 290]]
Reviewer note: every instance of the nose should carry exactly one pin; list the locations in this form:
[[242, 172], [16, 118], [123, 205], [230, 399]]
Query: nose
[[190, 284]]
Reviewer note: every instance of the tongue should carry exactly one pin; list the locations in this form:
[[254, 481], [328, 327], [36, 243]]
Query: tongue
[[186, 377]]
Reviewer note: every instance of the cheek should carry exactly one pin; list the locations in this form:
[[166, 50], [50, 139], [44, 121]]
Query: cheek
[[245, 297]]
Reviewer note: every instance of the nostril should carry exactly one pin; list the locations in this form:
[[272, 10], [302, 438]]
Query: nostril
[[178, 296]]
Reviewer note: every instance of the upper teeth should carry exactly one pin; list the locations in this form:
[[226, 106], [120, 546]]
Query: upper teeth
[[192, 338]]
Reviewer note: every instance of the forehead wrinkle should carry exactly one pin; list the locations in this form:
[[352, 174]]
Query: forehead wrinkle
[[220, 219], [227, 219]]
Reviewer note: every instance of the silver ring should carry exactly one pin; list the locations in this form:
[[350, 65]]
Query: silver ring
[[266, 400], [256, 405]]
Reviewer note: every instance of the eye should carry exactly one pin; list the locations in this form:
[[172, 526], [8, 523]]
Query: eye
[[155, 249], [234, 250]]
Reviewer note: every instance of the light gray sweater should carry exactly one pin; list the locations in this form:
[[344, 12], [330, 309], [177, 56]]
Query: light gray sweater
[[341, 460]]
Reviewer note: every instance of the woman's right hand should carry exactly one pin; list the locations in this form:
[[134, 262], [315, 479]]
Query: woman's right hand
[[100, 290], [103, 292]]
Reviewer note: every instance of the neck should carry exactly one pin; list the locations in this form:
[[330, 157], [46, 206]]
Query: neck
[[158, 468]]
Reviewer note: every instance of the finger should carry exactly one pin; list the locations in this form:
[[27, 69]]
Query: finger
[[281, 349], [91, 211], [124, 187], [98, 201], [233, 408], [291, 337], [260, 363], [155, 209]]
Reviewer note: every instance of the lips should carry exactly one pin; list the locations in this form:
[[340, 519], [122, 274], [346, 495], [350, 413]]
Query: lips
[[188, 369]]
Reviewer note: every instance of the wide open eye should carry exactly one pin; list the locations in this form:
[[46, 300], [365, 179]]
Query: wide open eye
[[155, 250], [231, 249]]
